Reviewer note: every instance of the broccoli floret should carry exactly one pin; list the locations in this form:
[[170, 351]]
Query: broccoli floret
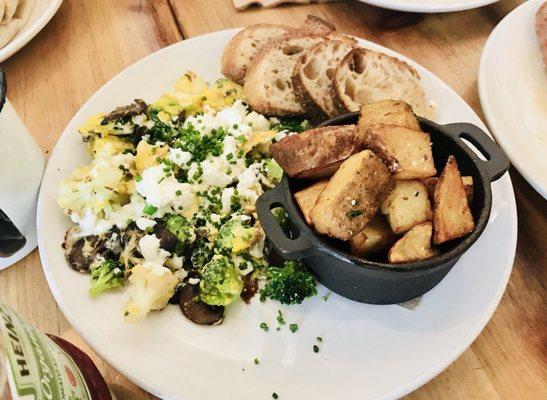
[[178, 226], [274, 172], [234, 236], [220, 283], [105, 274], [290, 284]]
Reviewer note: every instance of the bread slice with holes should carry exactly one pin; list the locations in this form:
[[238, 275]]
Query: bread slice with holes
[[245, 45], [268, 85], [365, 76], [312, 78]]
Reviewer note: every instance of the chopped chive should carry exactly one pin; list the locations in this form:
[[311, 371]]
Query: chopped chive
[[178, 192], [264, 326], [275, 395], [149, 209], [354, 214], [319, 338], [138, 178], [293, 327], [315, 348], [280, 319], [256, 361]]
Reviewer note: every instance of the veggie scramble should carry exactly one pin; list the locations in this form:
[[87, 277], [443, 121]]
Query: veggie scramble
[[166, 208]]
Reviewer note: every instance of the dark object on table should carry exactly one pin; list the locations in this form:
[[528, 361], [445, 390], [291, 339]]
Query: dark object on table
[[377, 282]]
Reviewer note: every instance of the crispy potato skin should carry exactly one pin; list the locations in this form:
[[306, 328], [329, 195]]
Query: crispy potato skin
[[407, 205], [411, 149], [452, 217], [430, 184], [415, 245], [352, 197], [388, 112], [316, 153], [376, 236], [306, 198]]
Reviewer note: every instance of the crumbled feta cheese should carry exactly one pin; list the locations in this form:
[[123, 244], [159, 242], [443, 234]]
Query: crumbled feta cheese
[[154, 256], [144, 223], [179, 157]]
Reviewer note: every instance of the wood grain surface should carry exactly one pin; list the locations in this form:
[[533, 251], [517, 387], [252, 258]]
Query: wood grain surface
[[88, 42]]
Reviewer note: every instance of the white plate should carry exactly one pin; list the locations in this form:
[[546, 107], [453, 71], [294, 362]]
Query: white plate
[[513, 92], [43, 11], [429, 6], [368, 352]]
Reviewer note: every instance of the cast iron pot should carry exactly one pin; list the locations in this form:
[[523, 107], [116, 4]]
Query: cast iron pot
[[376, 282]]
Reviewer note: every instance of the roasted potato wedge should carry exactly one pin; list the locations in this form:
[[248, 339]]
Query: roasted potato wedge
[[452, 217], [411, 149], [376, 236], [406, 206], [352, 197], [388, 112], [430, 184], [306, 198], [415, 245], [316, 153]]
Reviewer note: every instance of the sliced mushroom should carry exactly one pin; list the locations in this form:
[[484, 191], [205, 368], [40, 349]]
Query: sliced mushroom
[[79, 251], [196, 310], [250, 287], [168, 241], [137, 107]]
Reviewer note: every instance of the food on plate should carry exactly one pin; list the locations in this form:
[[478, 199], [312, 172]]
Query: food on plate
[[411, 148], [314, 71], [366, 76], [268, 85], [290, 284], [14, 16], [388, 112], [165, 209], [312, 77], [316, 153], [352, 196], [541, 30], [307, 197], [415, 245], [244, 46], [431, 182], [376, 237], [452, 217], [406, 206], [380, 197]]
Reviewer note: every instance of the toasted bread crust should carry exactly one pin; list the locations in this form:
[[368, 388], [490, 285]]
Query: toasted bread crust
[[232, 64], [310, 92], [353, 62], [259, 80]]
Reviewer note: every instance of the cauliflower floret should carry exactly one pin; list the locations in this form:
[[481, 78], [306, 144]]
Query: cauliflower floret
[[151, 285]]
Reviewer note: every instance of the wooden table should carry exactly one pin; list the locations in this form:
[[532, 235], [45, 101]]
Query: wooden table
[[88, 42]]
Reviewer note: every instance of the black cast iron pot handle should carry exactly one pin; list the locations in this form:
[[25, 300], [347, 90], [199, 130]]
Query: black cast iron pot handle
[[289, 248], [497, 163]]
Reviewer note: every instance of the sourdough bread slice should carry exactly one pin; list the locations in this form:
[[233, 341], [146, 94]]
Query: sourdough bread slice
[[312, 78], [268, 85], [245, 45], [366, 76]]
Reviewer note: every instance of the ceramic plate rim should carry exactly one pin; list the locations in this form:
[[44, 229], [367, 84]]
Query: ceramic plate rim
[[29, 31], [400, 391], [455, 5], [487, 108]]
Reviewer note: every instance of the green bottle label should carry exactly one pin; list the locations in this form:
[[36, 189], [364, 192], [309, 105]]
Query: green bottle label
[[37, 368]]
